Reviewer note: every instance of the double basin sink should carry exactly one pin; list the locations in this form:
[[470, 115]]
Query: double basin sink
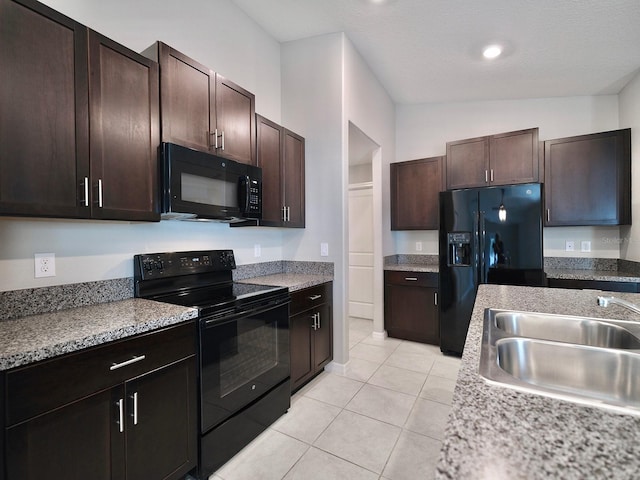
[[585, 360]]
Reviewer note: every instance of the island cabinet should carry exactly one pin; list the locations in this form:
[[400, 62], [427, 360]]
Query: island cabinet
[[281, 156], [311, 327], [78, 120], [606, 285], [502, 159], [202, 109], [124, 410], [588, 179], [415, 188], [411, 306]]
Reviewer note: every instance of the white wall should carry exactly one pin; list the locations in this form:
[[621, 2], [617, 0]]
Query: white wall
[[217, 34], [423, 130], [630, 118]]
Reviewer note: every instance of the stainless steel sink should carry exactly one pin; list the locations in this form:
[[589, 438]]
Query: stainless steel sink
[[564, 328], [584, 360]]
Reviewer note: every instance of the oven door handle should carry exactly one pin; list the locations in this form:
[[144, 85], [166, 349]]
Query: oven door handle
[[246, 312]]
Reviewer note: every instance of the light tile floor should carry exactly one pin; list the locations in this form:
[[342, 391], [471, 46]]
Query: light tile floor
[[384, 419]]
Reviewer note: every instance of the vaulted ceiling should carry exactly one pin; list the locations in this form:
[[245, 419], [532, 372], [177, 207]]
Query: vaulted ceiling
[[426, 51]]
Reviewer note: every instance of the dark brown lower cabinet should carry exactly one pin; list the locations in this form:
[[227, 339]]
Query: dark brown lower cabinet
[[142, 427], [311, 332], [411, 306]]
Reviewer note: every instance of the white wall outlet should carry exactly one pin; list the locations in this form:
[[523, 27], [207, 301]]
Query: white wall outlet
[[324, 249], [585, 246], [418, 246], [45, 265], [569, 246], [257, 250]]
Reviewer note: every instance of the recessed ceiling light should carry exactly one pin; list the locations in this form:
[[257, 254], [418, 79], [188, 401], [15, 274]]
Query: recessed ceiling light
[[492, 51]]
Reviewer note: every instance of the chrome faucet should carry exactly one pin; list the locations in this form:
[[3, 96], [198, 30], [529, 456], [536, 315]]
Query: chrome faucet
[[606, 301]]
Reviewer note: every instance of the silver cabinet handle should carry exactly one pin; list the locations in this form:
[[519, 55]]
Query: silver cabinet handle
[[492, 174], [223, 140], [116, 366], [318, 319], [120, 404], [435, 298], [212, 139], [486, 176], [215, 135], [411, 279], [100, 193], [284, 214], [314, 325], [86, 191], [548, 214], [315, 297], [135, 408]]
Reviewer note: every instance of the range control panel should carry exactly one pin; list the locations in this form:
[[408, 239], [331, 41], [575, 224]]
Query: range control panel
[[163, 265]]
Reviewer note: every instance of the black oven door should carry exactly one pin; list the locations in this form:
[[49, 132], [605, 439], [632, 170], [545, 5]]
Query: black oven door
[[242, 357]]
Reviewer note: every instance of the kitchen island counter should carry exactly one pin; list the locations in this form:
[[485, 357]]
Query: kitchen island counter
[[499, 433], [37, 337]]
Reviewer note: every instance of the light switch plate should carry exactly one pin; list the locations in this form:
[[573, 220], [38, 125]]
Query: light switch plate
[[569, 246], [324, 249], [585, 246], [418, 246]]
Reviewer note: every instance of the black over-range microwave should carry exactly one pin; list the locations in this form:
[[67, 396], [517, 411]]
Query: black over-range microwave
[[198, 185]]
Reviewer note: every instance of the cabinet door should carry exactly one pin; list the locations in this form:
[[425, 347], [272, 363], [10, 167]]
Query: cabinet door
[[269, 145], [514, 157], [79, 441], [294, 178], [323, 337], [415, 186], [468, 163], [587, 179], [411, 313], [124, 132], [161, 422], [235, 121], [44, 132], [187, 100], [301, 336]]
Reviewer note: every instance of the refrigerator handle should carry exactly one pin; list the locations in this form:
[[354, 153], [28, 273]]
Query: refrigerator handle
[[482, 233]]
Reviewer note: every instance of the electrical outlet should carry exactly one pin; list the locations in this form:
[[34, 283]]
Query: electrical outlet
[[324, 249], [569, 246], [45, 265], [418, 246], [585, 246], [257, 250]]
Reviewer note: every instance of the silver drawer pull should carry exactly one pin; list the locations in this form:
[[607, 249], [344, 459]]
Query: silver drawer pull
[[135, 408], [315, 297], [116, 366], [411, 279]]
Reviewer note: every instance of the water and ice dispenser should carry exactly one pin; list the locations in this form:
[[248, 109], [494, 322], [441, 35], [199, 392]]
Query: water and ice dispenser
[[459, 248]]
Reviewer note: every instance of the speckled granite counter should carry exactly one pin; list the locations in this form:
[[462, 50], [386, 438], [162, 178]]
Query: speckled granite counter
[[600, 275], [498, 433], [37, 337], [293, 281]]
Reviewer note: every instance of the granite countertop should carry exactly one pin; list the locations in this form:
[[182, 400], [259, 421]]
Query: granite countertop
[[293, 281], [38, 337], [412, 267], [498, 433], [601, 275]]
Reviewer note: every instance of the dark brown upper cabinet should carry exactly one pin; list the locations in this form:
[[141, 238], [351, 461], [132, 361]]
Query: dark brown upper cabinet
[[588, 179], [78, 120], [204, 110], [502, 159], [415, 186], [281, 155]]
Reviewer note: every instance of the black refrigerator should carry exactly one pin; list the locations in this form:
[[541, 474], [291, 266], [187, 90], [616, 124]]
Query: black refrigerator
[[487, 235]]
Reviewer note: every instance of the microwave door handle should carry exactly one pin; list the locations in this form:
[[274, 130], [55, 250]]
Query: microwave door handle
[[247, 193]]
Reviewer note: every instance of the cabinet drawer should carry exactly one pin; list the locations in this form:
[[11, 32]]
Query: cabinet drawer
[[41, 387], [416, 279], [310, 298]]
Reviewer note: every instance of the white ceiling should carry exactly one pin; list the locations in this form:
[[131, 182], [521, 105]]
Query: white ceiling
[[430, 50]]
